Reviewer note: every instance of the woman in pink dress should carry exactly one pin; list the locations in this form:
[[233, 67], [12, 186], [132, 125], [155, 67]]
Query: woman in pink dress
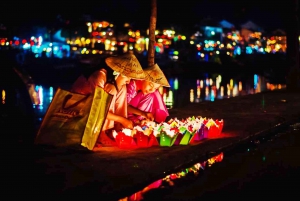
[[143, 95], [125, 67]]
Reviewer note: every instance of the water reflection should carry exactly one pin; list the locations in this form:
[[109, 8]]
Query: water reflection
[[41, 99], [182, 179], [201, 90], [211, 88], [169, 179], [3, 96]]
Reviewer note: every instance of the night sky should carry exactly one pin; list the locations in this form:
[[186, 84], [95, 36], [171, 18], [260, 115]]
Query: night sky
[[183, 13]]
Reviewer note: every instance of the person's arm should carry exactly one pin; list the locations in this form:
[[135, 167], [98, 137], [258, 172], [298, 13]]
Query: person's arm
[[147, 115], [98, 78], [122, 120]]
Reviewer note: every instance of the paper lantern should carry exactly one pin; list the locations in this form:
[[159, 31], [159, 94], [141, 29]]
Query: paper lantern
[[143, 140], [211, 129], [167, 140], [178, 139], [125, 141]]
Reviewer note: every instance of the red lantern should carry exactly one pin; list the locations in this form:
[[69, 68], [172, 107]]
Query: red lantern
[[124, 141], [153, 140], [141, 139]]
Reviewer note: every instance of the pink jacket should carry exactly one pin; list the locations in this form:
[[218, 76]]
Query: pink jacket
[[149, 103]]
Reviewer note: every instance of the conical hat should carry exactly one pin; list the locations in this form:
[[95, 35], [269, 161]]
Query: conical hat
[[155, 74], [126, 64]]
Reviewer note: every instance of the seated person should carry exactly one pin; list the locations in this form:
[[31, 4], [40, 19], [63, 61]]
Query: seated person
[[143, 95], [124, 68]]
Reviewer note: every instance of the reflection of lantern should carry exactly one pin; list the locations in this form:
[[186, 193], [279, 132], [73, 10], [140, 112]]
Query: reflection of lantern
[[192, 95]]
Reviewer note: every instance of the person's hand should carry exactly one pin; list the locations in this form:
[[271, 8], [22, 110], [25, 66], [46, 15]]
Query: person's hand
[[148, 115], [127, 123]]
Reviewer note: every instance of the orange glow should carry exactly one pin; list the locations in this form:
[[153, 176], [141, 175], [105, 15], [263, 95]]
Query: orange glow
[[3, 96]]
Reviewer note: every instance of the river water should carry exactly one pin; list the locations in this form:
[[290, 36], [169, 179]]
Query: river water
[[181, 92], [265, 167]]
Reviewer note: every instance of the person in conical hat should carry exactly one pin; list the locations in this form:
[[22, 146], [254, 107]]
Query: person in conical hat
[[127, 65], [123, 68], [143, 96]]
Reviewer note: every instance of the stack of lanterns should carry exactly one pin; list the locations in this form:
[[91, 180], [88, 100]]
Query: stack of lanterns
[[173, 132]]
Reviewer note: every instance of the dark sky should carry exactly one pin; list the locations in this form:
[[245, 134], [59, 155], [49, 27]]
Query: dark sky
[[185, 13]]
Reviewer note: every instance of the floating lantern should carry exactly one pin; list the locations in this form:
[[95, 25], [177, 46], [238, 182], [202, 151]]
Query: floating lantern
[[124, 139], [173, 132]]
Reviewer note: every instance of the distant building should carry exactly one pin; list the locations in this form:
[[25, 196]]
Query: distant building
[[248, 29]]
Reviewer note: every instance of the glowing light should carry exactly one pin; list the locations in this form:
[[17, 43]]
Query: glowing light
[[26, 46], [51, 93], [169, 100], [3, 96], [220, 78], [240, 86], [222, 91], [192, 95], [175, 57], [207, 82], [176, 84], [40, 92], [210, 82], [165, 97], [231, 83], [255, 80], [235, 90], [198, 92], [206, 91], [212, 95], [217, 82], [201, 83]]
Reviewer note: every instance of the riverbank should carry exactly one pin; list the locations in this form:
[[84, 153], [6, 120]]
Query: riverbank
[[265, 168], [113, 173]]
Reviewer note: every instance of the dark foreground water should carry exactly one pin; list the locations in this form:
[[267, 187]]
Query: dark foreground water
[[265, 168]]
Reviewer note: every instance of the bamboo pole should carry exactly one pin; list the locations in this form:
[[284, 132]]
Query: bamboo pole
[[152, 28]]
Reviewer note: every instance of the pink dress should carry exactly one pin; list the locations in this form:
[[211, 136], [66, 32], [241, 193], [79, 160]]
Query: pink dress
[[87, 86], [149, 103], [118, 105]]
